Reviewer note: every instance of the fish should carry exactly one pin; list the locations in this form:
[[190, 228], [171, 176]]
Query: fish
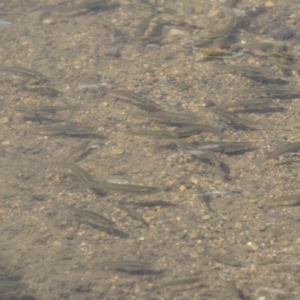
[[98, 221], [292, 147], [168, 117], [92, 218], [152, 133], [230, 118], [196, 129], [227, 260], [133, 97], [294, 198], [123, 188], [44, 90], [24, 72], [83, 177], [217, 53], [88, 4], [68, 129], [250, 72], [128, 265], [272, 90], [225, 147], [248, 103], [36, 109], [180, 282]]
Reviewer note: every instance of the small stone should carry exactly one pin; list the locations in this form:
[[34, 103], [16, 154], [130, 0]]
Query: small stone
[[176, 32], [4, 120], [5, 143], [116, 152], [48, 21], [57, 243], [206, 217], [269, 4], [182, 188]]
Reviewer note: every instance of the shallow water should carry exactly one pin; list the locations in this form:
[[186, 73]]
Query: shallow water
[[196, 214]]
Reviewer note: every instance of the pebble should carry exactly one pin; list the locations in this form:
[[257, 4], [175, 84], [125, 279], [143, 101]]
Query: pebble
[[5, 143], [57, 243], [269, 4], [206, 217], [48, 21], [182, 188], [116, 152]]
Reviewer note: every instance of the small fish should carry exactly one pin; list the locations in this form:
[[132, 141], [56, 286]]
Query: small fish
[[128, 265], [250, 72], [292, 147], [92, 218], [115, 232], [227, 260], [152, 133], [272, 90], [123, 188], [45, 91], [181, 282], [168, 117], [279, 262], [36, 109], [24, 72], [231, 118], [83, 177], [248, 103], [217, 53], [295, 198], [284, 61], [226, 147], [98, 221], [285, 57], [154, 203], [133, 97], [68, 129], [88, 4], [196, 129]]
